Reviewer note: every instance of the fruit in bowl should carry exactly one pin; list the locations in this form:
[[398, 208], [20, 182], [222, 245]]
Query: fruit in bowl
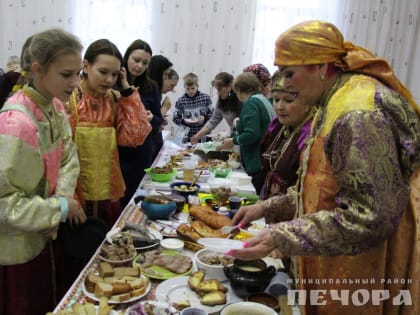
[[184, 189]]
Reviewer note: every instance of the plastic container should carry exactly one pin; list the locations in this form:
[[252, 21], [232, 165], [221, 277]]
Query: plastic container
[[172, 244], [220, 245]]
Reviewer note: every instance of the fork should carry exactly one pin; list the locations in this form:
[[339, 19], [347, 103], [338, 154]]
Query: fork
[[228, 229]]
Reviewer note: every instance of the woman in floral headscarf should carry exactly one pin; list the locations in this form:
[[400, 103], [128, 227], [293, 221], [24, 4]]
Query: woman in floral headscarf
[[263, 76], [357, 205]]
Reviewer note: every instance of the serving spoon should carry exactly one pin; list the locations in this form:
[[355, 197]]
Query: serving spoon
[[195, 179]]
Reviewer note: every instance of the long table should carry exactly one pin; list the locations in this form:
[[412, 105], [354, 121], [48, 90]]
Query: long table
[[168, 149], [131, 213]]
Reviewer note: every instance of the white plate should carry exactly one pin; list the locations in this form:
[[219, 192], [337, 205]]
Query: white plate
[[134, 298], [191, 120], [220, 245], [177, 289], [158, 308]]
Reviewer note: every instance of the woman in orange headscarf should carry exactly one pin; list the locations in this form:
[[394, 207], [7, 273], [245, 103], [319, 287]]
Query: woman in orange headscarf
[[357, 207]]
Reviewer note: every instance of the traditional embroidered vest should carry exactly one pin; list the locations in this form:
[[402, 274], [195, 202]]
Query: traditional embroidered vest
[[22, 246], [394, 259]]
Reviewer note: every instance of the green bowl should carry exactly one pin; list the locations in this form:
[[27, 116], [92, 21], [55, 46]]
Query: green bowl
[[220, 172], [156, 177]]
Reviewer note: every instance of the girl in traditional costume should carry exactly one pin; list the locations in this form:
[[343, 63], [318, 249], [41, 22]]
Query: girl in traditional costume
[[38, 171], [356, 205], [103, 118]]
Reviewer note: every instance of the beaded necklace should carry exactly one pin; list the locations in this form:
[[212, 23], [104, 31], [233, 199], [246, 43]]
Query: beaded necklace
[[286, 136]]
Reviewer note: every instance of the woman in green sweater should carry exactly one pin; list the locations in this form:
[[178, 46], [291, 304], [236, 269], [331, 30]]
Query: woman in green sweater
[[256, 114]]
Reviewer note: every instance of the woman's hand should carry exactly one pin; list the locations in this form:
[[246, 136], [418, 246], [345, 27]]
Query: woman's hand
[[164, 123], [246, 214], [194, 139], [149, 115], [76, 213], [227, 144], [255, 248], [166, 105], [123, 78]]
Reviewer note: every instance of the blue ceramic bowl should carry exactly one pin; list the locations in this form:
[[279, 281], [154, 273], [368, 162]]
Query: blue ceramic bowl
[[182, 188], [156, 211]]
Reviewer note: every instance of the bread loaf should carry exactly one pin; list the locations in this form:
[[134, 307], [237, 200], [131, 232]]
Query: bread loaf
[[187, 232], [210, 217], [206, 231]]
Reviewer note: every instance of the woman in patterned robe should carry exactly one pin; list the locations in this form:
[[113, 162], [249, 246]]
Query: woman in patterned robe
[[356, 206]]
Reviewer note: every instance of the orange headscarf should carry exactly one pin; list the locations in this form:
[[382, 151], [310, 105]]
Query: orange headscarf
[[318, 42]]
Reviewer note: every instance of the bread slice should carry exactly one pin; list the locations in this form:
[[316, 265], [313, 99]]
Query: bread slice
[[213, 298], [139, 291], [129, 279], [91, 281], [103, 289], [121, 297], [119, 288], [195, 279], [137, 283], [126, 271], [105, 269]]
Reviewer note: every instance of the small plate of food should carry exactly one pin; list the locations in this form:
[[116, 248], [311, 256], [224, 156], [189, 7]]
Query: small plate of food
[[119, 284], [186, 289], [164, 264], [151, 307]]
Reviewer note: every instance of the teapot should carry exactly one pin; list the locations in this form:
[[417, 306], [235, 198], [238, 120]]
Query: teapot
[[248, 277]]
